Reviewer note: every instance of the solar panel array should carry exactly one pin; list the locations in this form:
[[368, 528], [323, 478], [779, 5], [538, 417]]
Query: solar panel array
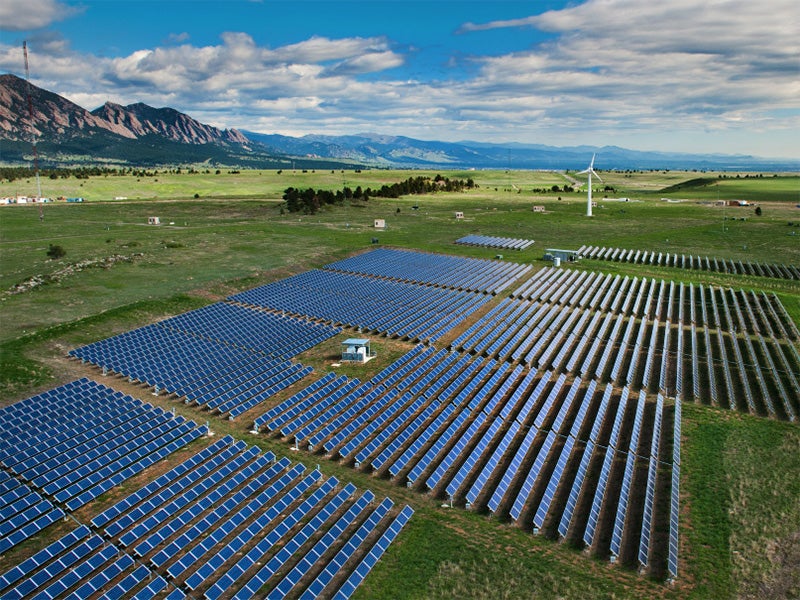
[[227, 521], [667, 259], [487, 434], [554, 409], [225, 357], [528, 415], [440, 270], [65, 447], [396, 308], [721, 346], [488, 241]]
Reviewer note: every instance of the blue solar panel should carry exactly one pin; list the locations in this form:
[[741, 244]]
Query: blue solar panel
[[368, 562], [334, 566], [532, 476], [622, 505], [256, 527]]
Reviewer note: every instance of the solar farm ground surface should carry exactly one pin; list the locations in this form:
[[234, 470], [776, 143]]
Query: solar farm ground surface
[[443, 552]]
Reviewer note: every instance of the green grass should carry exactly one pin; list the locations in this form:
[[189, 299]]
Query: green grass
[[739, 535], [742, 504]]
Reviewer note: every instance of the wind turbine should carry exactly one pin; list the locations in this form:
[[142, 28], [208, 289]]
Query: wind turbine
[[590, 171]]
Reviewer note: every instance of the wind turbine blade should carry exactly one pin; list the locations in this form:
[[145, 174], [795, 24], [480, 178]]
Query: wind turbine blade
[[591, 164], [596, 175]]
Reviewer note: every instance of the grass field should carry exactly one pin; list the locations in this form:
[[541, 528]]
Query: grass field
[[739, 530]]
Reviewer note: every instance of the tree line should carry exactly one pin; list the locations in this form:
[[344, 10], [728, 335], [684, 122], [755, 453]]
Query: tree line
[[309, 201], [13, 173]]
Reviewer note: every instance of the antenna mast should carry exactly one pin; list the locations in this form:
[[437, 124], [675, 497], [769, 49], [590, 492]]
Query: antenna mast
[[33, 131]]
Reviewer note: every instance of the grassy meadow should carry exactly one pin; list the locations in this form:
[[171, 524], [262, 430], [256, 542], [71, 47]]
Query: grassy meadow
[[739, 521]]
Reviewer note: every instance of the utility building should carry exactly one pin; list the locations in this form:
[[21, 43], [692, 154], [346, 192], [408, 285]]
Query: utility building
[[561, 255], [356, 350]]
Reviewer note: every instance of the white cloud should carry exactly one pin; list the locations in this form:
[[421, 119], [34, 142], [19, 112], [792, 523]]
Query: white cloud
[[178, 38], [616, 72], [22, 15], [625, 65]]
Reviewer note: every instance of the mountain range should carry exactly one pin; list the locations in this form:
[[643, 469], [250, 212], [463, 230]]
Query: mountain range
[[141, 135]]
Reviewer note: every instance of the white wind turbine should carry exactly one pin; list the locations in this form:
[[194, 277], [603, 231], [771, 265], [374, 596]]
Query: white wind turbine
[[590, 171]]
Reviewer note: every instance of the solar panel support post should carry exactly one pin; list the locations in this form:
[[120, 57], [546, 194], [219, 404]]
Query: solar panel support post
[[105, 369], [155, 393]]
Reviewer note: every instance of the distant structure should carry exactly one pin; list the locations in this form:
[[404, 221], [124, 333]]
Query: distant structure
[[356, 350], [380, 223], [559, 256], [590, 171], [153, 221], [459, 214], [538, 208]]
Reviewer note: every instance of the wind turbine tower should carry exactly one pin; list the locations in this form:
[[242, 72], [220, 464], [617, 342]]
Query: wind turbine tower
[[590, 171]]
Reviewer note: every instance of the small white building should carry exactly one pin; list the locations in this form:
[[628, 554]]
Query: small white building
[[538, 208], [459, 214], [356, 350], [153, 221], [380, 223]]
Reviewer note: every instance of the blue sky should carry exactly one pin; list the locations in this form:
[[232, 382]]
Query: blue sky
[[677, 75]]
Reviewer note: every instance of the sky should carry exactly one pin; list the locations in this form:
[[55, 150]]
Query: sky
[[717, 76]]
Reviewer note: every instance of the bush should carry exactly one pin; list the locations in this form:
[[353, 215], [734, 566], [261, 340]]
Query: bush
[[55, 252]]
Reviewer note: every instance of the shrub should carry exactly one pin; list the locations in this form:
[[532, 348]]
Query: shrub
[[55, 252]]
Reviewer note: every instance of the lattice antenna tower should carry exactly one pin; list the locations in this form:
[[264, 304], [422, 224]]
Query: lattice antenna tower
[[32, 128]]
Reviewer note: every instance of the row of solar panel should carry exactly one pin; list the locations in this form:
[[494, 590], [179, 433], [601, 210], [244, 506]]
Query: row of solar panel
[[662, 300], [498, 437], [765, 382], [277, 336], [219, 376], [74, 443], [758, 377], [434, 269], [488, 241], [23, 512], [225, 521], [398, 309], [666, 259]]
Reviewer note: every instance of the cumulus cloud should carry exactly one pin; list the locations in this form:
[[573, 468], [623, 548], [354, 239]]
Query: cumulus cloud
[[652, 65], [610, 70], [22, 15]]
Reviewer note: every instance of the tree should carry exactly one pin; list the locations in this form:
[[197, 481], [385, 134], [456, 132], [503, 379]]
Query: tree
[[758, 211], [55, 252]]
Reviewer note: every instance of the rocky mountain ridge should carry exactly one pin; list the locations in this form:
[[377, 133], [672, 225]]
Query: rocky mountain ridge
[[56, 118]]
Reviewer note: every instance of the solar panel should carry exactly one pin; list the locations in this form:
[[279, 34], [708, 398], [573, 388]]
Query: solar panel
[[533, 475], [627, 480]]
